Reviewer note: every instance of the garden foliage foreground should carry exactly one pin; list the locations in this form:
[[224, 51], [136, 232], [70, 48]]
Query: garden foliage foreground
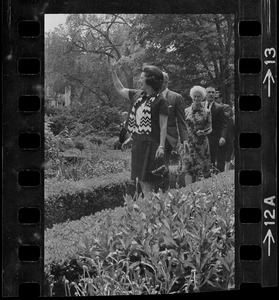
[[175, 242]]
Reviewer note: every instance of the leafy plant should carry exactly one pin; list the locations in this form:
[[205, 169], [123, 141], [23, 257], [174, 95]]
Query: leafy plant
[[180, 241]]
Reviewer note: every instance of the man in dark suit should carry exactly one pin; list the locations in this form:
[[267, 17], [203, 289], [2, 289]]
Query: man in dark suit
[[176, 128], [217, 138], [219, 99], [228, 148]]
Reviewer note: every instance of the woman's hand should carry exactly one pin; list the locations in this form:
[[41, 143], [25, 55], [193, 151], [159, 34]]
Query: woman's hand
[[200, 133], [124, 92], [160, 152], [222, 141], [112, 63], [126, 144], [204, 132]]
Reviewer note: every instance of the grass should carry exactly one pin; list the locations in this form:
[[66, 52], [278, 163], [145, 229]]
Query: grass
[[97, 161]]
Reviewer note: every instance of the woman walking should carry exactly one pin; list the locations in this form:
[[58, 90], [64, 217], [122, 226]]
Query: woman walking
[[147, 124], [196, 156]]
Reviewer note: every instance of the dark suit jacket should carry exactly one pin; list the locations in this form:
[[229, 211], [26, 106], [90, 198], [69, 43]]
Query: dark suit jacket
[[176, 119], [219, 123]]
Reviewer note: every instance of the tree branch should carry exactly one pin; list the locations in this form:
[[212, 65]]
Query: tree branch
[[124, 21], [81, 82]]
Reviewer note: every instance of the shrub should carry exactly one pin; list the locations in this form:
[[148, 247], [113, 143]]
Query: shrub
[[55, 144], [84, 119], [107, 182], [80, 145], [103, 118], [94, 139], [71, 200], [61, 119], [180, 241], [76, 165]]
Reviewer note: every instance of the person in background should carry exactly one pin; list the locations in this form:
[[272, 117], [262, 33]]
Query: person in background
[[176, 128], [232, 162], [123, 134], [225, 152], [217, 138], [147, 126], [219, 99], [196, 157]]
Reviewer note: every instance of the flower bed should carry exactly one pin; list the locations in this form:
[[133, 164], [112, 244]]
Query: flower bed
[[181, 241]]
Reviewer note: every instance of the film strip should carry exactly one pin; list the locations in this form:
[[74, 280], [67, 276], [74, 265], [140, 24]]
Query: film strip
[[257, 176], [23, 154], [23, 136]]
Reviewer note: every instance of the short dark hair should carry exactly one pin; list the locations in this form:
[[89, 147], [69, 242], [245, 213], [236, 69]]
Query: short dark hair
[[211, 87], [154, 77]]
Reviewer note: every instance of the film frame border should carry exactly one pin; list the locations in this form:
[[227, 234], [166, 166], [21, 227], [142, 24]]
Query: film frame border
[[23, 213], [256, 237], [32, 121]]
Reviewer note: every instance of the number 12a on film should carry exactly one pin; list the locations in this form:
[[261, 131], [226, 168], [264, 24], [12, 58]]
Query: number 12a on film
[[269, 223]]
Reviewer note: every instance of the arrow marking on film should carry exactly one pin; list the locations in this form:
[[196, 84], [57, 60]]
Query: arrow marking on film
[[269, 77], [269, 238]]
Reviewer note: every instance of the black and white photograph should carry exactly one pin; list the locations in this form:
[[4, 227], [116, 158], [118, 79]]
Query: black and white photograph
[[139, 147], [139, 154]]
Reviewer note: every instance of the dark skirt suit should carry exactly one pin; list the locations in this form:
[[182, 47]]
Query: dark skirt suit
[[145, 129]]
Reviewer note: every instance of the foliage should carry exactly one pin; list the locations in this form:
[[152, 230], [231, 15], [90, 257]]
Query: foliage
[[70, 200], [68, 136], [103, 119], [101, 181], [77, 55], [55, 144], [87, 157], [60, 119], [181, 241], [86, 119], [193, 49], [80, 168]]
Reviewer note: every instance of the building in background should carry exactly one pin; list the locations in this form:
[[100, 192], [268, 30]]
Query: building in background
[[58, 99]]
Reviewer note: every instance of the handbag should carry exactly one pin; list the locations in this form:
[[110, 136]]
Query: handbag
[[161, 177], [160, 171]]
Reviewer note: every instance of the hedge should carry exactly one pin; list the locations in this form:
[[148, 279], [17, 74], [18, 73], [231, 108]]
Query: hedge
[[71, 200]]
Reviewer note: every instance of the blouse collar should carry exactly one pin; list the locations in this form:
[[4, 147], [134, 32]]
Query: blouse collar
[[152, 95]]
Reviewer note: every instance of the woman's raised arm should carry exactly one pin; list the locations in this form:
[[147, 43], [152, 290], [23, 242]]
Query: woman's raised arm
[[124, 92]]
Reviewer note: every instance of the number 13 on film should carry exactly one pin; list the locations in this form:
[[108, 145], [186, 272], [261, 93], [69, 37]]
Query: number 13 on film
[[269, 56]]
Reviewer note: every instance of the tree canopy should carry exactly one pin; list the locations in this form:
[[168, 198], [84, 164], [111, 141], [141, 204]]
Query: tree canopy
[[192, 49]]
